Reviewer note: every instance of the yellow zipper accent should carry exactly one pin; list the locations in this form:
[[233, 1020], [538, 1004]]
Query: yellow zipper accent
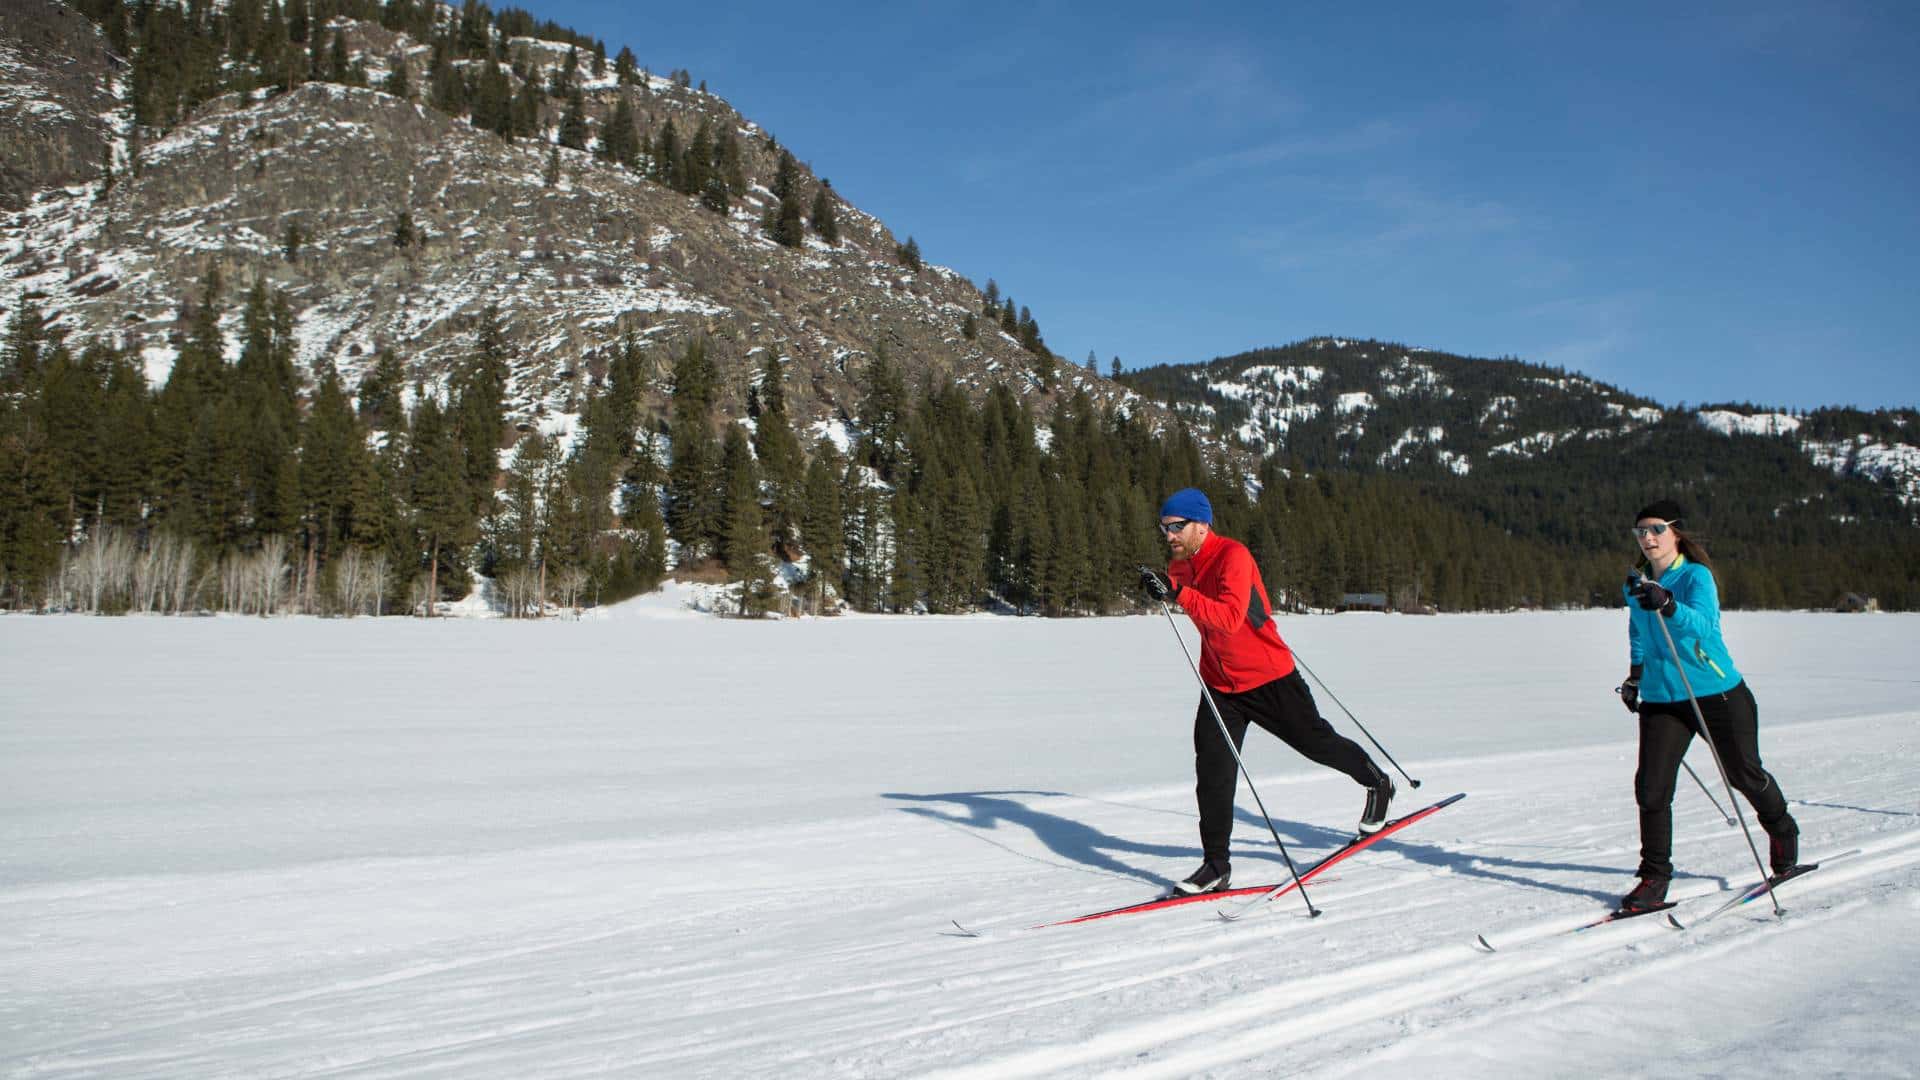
[[1700, 651]]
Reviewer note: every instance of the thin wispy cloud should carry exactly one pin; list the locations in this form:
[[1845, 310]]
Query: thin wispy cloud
[[1371, 136]]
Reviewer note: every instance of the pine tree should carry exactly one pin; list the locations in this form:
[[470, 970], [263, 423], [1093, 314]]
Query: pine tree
[[785, 224], [127, 443], [379, 393], [909, 254], [619, 142], [573, 126], [439, 496], [777, 449], [27, 335], [183, 412], [714, 196], [264, 395], [68, 399], [527, 112], [338, 62], [31, 534], [493, 101], [530, 477], [333, 459], [666, 163], [822, 525], [693, 477], [825, 222], [398, 82], [728, 163], [697, 170], [405, 235], [447, 90], [880, 416], [479, 411], [743, 533]]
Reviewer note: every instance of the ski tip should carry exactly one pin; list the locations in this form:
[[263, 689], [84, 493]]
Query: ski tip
[[1481, 940], [1675, 923], [960, 931]]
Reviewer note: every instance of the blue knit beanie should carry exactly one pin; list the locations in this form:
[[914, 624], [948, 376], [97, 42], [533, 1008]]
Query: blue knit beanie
[[1189, 503]]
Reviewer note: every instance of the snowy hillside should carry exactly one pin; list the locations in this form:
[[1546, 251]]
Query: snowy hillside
[[578, 251], [1374, 404], [672, 846]]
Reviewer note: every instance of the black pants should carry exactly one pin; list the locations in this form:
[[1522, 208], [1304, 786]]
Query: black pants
[[1285, 708], [1666, 730]]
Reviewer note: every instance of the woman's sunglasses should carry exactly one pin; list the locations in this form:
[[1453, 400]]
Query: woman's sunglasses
[[1650, 530]]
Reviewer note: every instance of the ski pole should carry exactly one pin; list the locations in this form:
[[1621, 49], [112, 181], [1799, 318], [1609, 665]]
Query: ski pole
[[1700, 718], [1704, 790], [1206, 693], [1350, 716]]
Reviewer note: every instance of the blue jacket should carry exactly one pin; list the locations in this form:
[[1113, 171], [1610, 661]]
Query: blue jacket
[[1695, 626]]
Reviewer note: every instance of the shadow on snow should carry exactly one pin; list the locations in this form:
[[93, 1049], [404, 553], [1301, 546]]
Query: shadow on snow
[[1082, 845]]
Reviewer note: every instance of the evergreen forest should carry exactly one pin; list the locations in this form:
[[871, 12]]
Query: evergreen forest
[[238, 485]]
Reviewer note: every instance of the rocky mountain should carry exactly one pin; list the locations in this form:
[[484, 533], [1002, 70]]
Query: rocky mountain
[[307, 189]]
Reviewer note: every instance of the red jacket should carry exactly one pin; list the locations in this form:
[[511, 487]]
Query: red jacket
[[1220, 587]]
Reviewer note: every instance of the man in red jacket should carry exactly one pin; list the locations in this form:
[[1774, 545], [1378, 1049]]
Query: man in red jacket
[[1251, 675]]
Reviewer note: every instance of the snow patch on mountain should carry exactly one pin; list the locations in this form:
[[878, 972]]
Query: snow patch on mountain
[[1897, 464], [1434, 440], [1538, 443], [1728, 422], [1407, 377], [1642, 415]]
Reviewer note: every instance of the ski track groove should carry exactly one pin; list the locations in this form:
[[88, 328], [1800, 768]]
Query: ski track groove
[[1382, 989]]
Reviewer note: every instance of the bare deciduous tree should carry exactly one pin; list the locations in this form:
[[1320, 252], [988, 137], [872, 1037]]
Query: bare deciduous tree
[[569, 582], [164, 573], [353, 583], [186, 587], [379, 569], [233, 582], [420, 595], [269, 574], [100, 571], [517, 588]]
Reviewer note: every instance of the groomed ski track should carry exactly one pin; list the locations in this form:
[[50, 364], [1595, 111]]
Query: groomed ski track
[[402, 923]]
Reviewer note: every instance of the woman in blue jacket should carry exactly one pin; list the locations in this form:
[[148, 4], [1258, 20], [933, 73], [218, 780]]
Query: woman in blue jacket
[[1678, 589]]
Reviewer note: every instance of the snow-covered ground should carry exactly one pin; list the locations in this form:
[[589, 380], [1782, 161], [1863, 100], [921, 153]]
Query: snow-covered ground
[[643, 846]]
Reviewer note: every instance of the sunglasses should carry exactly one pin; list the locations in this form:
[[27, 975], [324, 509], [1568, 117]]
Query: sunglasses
[[1171, 527], [1651, 530]]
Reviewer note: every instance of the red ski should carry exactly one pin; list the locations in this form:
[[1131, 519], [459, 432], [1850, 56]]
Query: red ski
[[1259, 893], [1358, 843]]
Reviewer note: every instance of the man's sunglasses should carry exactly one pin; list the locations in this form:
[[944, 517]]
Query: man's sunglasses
[[1651, 530], [1171, 527]]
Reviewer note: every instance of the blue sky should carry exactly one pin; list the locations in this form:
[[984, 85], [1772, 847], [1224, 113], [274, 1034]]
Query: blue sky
[[1713, 206]]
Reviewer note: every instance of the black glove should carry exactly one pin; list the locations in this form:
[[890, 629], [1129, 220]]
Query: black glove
[[1157, 585], [1629, 690], [1651, 596]]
